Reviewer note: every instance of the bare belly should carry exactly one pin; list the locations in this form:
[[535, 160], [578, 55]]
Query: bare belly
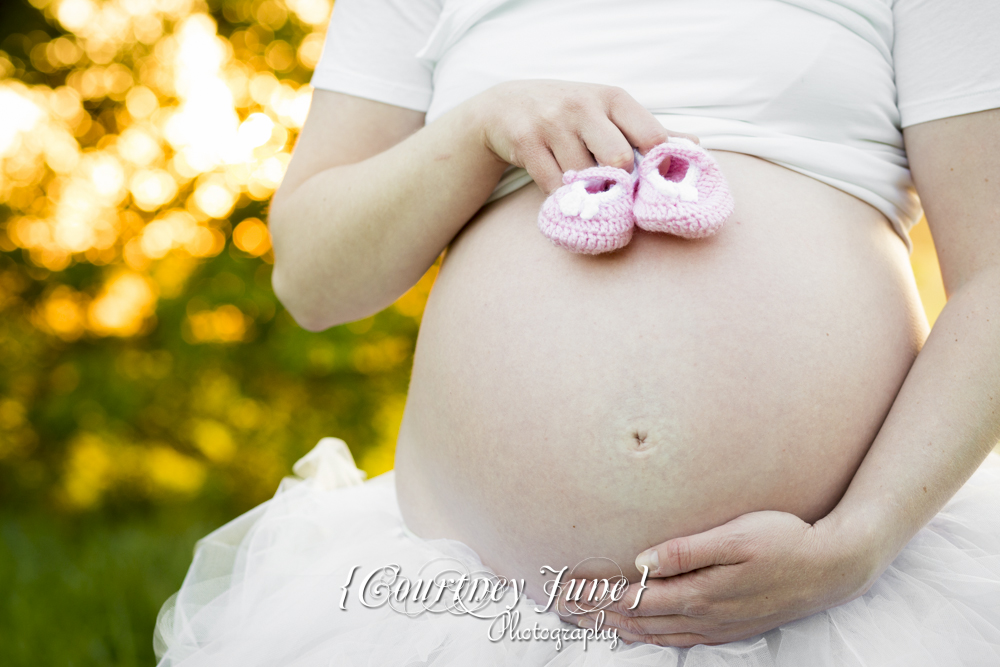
[[564, 406]]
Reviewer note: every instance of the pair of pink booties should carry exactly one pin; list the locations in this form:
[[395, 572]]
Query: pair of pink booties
[[596, 209]]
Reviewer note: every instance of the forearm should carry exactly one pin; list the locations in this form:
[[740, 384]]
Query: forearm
[[351, 239], [943, 423]]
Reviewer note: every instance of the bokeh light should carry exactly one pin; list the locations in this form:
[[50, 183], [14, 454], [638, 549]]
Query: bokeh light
[[144, 356], [156, 110]]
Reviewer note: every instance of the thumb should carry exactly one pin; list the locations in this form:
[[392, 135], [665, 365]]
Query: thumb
[[691, 552]]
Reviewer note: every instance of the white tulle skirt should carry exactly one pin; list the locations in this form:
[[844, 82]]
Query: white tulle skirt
[[268, 588]]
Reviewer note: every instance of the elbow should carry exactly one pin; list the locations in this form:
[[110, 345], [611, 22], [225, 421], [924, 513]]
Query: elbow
[[312, 310], [291, 289], [305, 313], [311, 321], [317, 294]]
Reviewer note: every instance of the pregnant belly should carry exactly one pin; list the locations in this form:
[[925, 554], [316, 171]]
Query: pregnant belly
[[564, 407]]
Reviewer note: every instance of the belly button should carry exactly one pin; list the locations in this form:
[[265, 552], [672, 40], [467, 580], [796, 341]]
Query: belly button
[[640, 441]]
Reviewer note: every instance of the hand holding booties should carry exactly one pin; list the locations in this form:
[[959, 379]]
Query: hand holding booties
[[676, 188]]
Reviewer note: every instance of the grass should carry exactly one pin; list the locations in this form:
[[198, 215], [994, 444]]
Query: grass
[[86, 591]]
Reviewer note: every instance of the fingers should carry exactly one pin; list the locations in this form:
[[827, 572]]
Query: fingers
[[678, 631], [605, 140], [686, 640], [563, 126], [543, 168], [681, 639], [637, 124], [682, 135], [689, 137], [716, 625], [666, 633], [646, 625], [571, 153], [683, 595], [684, 554]]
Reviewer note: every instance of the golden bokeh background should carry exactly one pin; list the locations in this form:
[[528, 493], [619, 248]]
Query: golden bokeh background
[[150, 383], [151, 386], [140, 142]]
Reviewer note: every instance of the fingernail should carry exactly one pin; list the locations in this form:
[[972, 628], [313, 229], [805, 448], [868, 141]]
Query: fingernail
[[649, 558]]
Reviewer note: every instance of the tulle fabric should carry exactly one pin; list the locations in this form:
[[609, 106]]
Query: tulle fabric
[[266, 589]]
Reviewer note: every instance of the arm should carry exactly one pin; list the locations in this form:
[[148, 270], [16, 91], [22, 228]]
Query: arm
[[372, 195], [369, 200], [946, 418], [764, 569]]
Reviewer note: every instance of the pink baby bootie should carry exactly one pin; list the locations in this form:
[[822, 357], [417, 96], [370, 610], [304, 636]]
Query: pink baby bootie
[[691, 199], [592, 212]]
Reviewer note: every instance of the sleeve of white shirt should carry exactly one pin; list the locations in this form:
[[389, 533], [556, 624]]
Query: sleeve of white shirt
[[370, 51], [946, 54]]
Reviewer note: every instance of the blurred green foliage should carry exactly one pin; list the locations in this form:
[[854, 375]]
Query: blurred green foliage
[[128, 433], [244, 411], [86, 591]]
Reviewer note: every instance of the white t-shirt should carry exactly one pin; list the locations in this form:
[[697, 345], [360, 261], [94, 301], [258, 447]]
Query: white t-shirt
[[823, 87]]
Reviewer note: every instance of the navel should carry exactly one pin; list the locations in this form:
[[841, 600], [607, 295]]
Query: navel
[[640, 441]]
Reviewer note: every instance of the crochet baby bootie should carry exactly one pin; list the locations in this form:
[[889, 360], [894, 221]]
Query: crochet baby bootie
[[691, 199], [592, 212]]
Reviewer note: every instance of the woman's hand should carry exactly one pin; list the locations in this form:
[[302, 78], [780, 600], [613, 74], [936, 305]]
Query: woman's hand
[[550, 127], [740, 579]]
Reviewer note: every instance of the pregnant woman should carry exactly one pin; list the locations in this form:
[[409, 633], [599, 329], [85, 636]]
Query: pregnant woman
[[760, 415]]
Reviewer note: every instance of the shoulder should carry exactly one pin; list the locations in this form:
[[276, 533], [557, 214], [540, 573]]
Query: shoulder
[[371, 47], [946, 56]]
